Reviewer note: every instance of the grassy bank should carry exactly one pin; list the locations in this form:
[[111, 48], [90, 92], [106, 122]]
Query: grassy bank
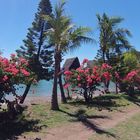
[[127, 130], [38, 117]]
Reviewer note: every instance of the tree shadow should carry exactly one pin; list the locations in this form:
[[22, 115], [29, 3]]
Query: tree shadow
[[107, 102], [12, 128], [134, 99], [81, 116]]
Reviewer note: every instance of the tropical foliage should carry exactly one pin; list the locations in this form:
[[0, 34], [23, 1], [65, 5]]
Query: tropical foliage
[[64, 36], [13, 73], [36, 49], [87, 80]]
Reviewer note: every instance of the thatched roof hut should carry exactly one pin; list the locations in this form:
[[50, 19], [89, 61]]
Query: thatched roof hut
[[71, 63], [91, 63]]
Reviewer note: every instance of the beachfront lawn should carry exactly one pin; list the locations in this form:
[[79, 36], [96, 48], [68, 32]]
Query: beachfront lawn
[[38, 118], [71, 111], [127, 130]]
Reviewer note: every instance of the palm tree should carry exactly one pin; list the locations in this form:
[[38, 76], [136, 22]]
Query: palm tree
[[113, 40], [64, 36]]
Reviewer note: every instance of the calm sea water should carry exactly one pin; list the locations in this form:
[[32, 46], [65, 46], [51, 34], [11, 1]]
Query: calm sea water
[[44, 88]]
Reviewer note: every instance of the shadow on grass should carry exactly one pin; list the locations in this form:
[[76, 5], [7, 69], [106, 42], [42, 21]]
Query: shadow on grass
[[134, 99], [81, 116], [108, 102], [10, 129]]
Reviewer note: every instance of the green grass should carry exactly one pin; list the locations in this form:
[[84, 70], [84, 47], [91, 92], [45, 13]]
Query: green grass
[[37, 118], [69, 112], [128, 130]]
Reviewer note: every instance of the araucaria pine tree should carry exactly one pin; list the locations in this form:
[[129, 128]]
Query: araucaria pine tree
[[36, 49]]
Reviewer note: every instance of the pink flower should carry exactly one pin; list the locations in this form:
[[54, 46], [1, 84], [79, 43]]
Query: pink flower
[[24, 72], [131, 75], [89, 80], [5, 62], [87, 70], [95, 68], [107, 76], [79, 85], [80, 70], [66, 86], [117, 75], [67, 72], [78, 78], [12, 70], [23, 61], [5, 78], [106, 66]]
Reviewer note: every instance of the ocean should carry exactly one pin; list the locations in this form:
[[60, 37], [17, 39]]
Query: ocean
[[44, 89]]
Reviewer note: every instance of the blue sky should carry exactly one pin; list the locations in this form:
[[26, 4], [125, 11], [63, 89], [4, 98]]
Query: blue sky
[[17, 15]]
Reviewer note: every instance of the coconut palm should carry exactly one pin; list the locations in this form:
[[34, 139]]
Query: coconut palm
[[113, 40], [64, 36]]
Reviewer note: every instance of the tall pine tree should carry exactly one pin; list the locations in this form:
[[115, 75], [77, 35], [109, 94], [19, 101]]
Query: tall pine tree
[[36, 49]]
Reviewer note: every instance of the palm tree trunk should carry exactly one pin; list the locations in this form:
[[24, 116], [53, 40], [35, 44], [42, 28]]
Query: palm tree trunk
[[63, 98], [54, 101], [25, 93], [106, 84]]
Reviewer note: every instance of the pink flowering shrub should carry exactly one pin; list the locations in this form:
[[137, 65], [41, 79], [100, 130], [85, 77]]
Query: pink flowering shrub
[[106, 75], [132, 79], [87, 79], [13, 71]]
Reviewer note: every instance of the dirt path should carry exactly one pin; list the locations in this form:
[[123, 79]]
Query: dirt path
[[84, 129]]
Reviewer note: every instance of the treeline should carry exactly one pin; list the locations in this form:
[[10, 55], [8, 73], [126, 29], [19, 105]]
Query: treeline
[[53, 34]]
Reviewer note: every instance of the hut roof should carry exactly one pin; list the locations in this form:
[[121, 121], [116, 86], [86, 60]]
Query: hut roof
[[71, 63], [91, 63]]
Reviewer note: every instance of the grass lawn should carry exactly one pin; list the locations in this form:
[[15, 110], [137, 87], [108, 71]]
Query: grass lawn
[[37, 118], [68, 112], [127, 130]]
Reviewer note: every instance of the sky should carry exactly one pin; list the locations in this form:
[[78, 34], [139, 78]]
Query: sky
[[17, 15]]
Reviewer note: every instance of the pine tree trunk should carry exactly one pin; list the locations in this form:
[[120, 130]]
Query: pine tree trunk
[[104, 57], [40, 40], [25, 93], [54, 101]]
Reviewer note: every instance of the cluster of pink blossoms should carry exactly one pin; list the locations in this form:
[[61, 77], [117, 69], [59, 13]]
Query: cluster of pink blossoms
[[106, 72], [15, 67], [106, 66], [106, 76], [131, 75], [87, 77]]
